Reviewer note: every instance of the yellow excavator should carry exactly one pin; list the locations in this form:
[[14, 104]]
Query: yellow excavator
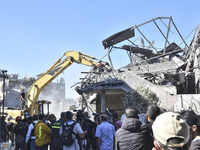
[[58, 67]]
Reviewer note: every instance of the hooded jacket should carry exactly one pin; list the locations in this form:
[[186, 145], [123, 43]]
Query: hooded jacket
[[42, 134], [133, 135]]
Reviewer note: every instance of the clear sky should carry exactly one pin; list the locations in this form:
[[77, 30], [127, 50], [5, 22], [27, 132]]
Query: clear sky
[[35, 33]]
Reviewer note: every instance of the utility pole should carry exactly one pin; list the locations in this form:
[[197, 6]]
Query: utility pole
[[3, 74], [103, 101]]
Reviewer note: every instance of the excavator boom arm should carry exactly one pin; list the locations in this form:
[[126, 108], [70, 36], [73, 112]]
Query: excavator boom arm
[[58, 67]]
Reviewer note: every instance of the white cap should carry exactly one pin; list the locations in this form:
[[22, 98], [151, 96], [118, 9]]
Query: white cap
[[170, 125]]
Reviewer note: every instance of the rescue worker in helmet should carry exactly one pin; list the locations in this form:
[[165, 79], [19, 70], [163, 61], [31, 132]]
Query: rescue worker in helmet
[[20, 131]]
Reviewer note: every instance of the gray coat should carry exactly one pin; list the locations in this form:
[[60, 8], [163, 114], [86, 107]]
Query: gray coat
[[133, 135]]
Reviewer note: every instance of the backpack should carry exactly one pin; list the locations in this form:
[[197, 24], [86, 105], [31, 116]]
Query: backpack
[[67, 132]]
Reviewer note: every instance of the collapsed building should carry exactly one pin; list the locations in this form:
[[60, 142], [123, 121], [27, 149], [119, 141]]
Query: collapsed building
[[160, 59], [168, 66]]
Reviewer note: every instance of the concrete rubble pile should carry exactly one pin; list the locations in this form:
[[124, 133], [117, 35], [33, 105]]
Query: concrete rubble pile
[[171, 71]]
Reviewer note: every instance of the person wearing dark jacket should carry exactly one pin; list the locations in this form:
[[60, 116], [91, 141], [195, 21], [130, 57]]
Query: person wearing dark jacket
[[20, 130], [133, 134], [52, 119], [90, 136], [193, 121], [152, 112], [55, 132]]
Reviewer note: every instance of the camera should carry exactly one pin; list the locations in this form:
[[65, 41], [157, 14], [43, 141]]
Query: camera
[[79, 115], [96, 117]]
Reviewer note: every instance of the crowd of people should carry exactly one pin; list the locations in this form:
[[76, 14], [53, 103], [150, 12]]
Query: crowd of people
[[161, 130]]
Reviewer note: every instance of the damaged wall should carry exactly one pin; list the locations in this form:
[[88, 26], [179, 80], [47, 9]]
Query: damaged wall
[[166, 98]]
